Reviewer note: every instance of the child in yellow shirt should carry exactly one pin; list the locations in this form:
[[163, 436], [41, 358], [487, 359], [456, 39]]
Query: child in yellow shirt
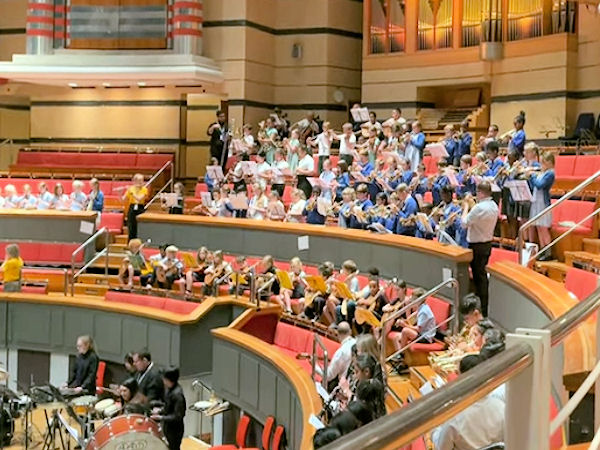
[[11, 269]]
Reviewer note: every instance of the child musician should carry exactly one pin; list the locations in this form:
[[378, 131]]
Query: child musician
[[323, 142], [517, 142], [311, 211], [450, 143], [11, 269], [333, 307], [315, 301], [405, 220], [197, 274], [216, 274], [297, 276], [136, 265], [347, 143], [440, 180], [466, 181], [465, 139], [359, 214], [542, 183]]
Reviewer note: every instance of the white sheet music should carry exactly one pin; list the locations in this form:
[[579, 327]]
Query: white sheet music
[[437, 150], [215, 172], [519, 189], [169, 198], [238, 201], [360, 114]]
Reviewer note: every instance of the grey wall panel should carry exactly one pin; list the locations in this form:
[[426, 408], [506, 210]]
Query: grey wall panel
[[3, 321], [57, 334], [275, 396], [159, 342], [48, 229], [30, 326], [249, 380], [135, 333], [79, 322]]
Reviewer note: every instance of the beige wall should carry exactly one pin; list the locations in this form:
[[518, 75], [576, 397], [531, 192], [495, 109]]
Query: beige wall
[[14, 124], [12, 18]]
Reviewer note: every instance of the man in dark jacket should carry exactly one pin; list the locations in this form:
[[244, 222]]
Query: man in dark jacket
[[150, 382], [174, 410]]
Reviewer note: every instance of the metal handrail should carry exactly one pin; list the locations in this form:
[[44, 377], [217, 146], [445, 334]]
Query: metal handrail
[[562, 326], [91, 239], [158, 172], [157, 195], [520, 235], [405, 425], [317, 341]]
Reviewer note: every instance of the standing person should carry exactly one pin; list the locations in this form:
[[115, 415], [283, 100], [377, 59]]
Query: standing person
[[347, 143], [83, 378], [305, 169], [542, 183], [341, 359], [323, 142], [11, 269], [149, 379], [96, 197], [218, 133], [136, 198], [173, 412], [480, 223], [465, 139], [517, 142]]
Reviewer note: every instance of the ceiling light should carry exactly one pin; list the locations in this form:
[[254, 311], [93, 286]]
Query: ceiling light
[[73, 85]]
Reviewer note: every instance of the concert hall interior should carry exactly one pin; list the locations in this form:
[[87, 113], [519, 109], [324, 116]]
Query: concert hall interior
[[297, 224]]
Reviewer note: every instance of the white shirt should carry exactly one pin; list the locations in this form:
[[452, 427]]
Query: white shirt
[[261, 169], [324, 143], [347, 144], [479, 425], [280, 165], [295, 211], [481, 221], [257, 203], [249, 141], [307, 163], [340, 362]]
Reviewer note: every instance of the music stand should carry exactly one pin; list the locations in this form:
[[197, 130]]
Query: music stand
[[55, 423]]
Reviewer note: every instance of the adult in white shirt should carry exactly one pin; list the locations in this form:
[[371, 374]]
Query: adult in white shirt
[[479, 425], [480, 223], [323, 142], [347, 143], [396, 119], [305, 169], [278, 167], [263, 170], [294, 214], [257, 208], [340, 362]]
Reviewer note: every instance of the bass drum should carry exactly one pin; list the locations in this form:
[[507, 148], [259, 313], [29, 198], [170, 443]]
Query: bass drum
[[7, 427], [129, 432]]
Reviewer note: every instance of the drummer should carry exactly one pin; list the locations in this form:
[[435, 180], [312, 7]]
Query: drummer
[[132, 400], [83, 378], [174, 410]]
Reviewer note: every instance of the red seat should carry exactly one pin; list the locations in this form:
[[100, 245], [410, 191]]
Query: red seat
[[564, 165], [240, 435], [501, 254], [334, 159], [278, 441], [200, 187], [30, 289], [428, 197], [100, 377], [112, 221], [573, 211], [586, 166], [581, 282], [152, 160], [135, 299], [180, 306], [287, 195]]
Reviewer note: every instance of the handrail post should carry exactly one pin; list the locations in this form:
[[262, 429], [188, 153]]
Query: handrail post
[[106, 245], [528, 394], [317, 341], [456, 321]]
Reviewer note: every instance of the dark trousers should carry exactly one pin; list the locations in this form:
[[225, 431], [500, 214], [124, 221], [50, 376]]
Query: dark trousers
[[314, 311], [132, 213], [348, 158], [174, 435], [279, 188], [304, 185], [321, 160], [481, 255]]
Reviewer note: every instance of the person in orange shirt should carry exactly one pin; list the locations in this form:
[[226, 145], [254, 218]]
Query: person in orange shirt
[[11, 269], [135, 196]]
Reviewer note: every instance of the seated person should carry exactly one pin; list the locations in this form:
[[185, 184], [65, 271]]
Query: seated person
[[396, 301], [373, 299], [296, 275], [131, 399], [364, 368], [197, 274], [352, 418], [27, 200], [313, 210], [423, 331], [341, 359], [470, 311], [11, 199], [275, 208], [44, 197], [477, 426], [169, 269], [337, 307], [77, 197], [296, 210], [314, 302], [134, 264], [216, 274], [243, 269], [359, 217], [268, 273]]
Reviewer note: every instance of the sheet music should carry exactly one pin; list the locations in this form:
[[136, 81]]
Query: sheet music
[[238, 201], [437, 150], [323, 205], [322, 392], [315, 422], [72, 431], [215, 172], [519, 189], [169, 199], [206, 198], [249, 168], [360, 114]]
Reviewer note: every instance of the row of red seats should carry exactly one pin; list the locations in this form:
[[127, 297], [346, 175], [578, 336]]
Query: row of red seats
[[165, 304], [109, 188], [40, 253], [142, 161], [578, 168]]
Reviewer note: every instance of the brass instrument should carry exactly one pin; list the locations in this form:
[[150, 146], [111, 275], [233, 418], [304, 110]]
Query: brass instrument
[[504, 137]]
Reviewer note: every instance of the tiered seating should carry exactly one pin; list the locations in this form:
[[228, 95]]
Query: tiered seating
[[113, 190], [166, 304], [70, 161], [112, 221], [45, 253], [563, 216], [571, 170], [581, 283]]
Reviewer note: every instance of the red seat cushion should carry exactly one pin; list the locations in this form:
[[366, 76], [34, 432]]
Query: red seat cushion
[[564, 166], [581, 282], [112, 221], [152, 160], [179, 306], [440, 309], [573, 211], [501, 254], [293, 338], [200, 187], [135, 299], [586, 165]]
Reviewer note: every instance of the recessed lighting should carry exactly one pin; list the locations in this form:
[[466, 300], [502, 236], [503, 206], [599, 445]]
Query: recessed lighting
[[105, 84], [73, 85], [141, 83]]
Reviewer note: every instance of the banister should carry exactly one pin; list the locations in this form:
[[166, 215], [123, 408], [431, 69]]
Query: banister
[[562, 326], [317, 341], [405, 425], [158, 172], [520, 235], [102, 231]]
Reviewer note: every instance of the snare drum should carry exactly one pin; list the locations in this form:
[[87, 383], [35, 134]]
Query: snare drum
[[101, 406], [131, 432], [83, 405]]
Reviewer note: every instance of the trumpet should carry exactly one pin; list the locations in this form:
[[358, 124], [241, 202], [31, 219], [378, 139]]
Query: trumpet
[[334, 208], [504, 137]]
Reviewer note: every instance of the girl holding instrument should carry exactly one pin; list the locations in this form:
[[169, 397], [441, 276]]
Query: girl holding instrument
[[542, 183], [517, 142], [197, 274]]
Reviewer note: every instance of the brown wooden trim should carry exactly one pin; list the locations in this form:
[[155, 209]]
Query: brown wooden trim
[[454, 253], [83, 215], [249, 314], [297, 376], [91, 302]]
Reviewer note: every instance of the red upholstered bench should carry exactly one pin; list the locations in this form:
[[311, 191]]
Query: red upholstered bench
[[30, 289], [292, 340], [581, 282], [573, 211], [166, 304], [52, 253]]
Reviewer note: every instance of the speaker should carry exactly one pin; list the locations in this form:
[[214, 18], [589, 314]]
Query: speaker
[[297, 51]]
